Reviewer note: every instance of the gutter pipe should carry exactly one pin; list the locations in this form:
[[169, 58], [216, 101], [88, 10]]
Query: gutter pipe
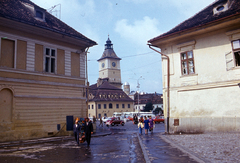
[[87, 91], [168, 83]]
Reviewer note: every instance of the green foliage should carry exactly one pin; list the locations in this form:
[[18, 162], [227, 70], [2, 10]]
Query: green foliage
[[148, 107]]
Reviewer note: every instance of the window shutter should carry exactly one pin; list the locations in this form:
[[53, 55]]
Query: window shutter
[[229, 61]]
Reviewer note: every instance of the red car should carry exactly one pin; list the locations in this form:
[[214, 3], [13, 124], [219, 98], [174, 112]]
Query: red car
[[114, 121], [159, 119]]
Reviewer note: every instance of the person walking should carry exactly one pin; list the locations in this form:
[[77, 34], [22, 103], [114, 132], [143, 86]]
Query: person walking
[[146, 125], [151, 123], [88, 130], [101, 122], [140, 125], [76, 130], [94, 119]]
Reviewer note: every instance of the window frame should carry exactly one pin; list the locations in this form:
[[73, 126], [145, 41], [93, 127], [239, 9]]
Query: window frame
[[187, 61], [237, 50], [50, 60]]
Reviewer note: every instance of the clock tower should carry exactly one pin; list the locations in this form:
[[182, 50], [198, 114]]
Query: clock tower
[[109, 66]]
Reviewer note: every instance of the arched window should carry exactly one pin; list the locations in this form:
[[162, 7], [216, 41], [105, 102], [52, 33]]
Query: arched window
[[110, 106]]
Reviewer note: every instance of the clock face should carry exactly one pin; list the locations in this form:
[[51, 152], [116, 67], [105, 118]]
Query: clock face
[[113, 64], [103, 65]]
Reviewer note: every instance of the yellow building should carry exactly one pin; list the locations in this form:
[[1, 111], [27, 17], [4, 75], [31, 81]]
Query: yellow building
[[204, 70], [42, 72], [106, 99]]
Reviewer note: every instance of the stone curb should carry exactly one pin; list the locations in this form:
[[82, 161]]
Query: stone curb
[[43, 140], [143, 150], [183, 150]]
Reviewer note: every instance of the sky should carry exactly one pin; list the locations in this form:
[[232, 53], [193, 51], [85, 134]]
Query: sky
[[129, 24]]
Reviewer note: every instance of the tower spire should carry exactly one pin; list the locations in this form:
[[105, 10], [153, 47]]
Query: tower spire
[[108, 44]]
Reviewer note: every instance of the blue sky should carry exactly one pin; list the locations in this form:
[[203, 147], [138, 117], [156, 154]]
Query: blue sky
[[129, 24]]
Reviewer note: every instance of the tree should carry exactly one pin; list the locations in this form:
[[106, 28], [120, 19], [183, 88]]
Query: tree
[[148, 107], [158, 111]]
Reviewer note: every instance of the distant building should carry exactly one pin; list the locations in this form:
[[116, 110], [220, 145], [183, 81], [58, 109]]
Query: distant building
[[154, 98], [106, 99], [42, 72], [126, 88], [204, 53], [107, 96]]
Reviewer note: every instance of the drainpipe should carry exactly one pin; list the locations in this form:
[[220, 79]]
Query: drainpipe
[[87, 91], [168, 83]]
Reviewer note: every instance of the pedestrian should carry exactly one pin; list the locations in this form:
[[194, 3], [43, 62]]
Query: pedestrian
[[76, 130], [146, 125], [140, 125], [151, 123], [101, 122], [88, 130], [94, 119]]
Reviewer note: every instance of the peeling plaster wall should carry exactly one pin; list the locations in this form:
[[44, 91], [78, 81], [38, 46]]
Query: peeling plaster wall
[[206, 101]]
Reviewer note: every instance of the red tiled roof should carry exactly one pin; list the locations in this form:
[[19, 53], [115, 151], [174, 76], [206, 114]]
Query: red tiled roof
[[204, 17], [107, 92], [17, 11]]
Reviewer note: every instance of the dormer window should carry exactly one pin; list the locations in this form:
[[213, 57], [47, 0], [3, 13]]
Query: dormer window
[[221, 7], [39, 14]]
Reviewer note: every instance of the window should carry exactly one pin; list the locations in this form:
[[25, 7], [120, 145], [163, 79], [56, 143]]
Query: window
[[99, 106], [105, 114], [236, 51], [7, 53], [128, 105], [92, 106], [105, 106], [39, 14], [88, 106], [99, 116], [187, 62], [117, 106], [123, 105], [110, 106], [50, 60]]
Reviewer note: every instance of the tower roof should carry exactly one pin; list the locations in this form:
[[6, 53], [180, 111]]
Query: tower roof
[[109, 52]]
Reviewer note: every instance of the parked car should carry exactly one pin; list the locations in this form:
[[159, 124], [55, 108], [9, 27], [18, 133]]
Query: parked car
[[115, 121], [159, 119]]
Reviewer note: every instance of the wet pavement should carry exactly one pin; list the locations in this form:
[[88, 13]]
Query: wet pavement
[[109, 144]]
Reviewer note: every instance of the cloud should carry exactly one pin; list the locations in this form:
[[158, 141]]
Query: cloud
[[138, 31]]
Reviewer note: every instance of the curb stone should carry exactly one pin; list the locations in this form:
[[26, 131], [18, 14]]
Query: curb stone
[[143, 150]]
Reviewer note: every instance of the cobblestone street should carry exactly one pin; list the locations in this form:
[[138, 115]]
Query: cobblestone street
[[210, 147]]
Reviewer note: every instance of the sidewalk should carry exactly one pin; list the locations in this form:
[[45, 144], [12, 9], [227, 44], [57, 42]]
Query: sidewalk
[[99, 132], [210, 147]]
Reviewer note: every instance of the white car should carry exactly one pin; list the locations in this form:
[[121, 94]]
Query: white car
[[105, 119]]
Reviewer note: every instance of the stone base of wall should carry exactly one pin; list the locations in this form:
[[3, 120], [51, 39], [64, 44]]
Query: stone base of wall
[[204, 125]]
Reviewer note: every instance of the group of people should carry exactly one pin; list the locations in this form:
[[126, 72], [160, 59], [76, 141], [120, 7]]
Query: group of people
[[147, 124], [83, 130]]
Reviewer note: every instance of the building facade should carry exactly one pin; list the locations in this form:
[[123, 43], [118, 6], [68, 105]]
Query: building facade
[[106, 99], [204, 70], [42, 72], [140, 101]]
